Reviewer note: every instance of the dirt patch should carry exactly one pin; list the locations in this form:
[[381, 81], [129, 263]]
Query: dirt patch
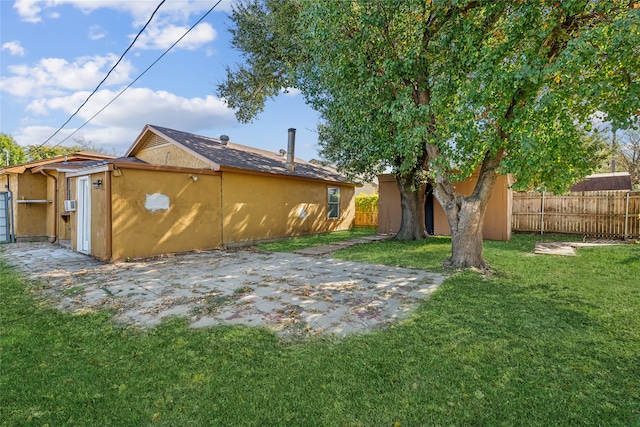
[[569, 248]]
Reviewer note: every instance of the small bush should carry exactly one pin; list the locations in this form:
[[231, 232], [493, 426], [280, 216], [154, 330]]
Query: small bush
[[367, 203]]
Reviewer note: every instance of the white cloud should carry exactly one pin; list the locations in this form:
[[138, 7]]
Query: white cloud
[[170, 22], [290, 91], [113, 141], [55, 76], [96, 33], [139, 106], [156, 37], [119, 124], [14, 47], [30, 10]]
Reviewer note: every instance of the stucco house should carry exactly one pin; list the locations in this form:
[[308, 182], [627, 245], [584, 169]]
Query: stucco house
[[176, 191], [497, 220], [32, 197]]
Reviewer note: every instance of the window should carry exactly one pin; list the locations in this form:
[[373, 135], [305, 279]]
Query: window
[[334, 203]]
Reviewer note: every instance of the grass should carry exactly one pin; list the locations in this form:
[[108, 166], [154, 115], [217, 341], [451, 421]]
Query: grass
[[297, 243], [428, 255], [545, 340]]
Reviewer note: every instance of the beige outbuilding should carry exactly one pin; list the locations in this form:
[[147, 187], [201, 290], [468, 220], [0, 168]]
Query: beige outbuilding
[[497, 220]]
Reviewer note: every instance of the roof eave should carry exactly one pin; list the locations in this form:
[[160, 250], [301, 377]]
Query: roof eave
[[138, 166], [89, 170], [283, 175]]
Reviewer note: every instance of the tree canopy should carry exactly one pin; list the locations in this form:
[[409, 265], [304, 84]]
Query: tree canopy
[[17, 154], [471, 80], [628, 152], [37, 152], [31, 153], [439, 91]]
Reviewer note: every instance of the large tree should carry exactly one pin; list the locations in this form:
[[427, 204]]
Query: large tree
[[271, 40], [16, 152], [40, 152], [624, 155], [629, 154], [445, 90]]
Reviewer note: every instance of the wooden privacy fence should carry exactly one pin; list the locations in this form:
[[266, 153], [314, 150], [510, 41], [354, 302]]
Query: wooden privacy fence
[[610, 214], [366, 210], [366, 219]]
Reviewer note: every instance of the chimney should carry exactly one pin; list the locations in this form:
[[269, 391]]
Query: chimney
[[224, 139], [290, 150]]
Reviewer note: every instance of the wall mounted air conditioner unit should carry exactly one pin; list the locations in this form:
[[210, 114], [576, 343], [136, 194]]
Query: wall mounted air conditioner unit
[[70, 205]]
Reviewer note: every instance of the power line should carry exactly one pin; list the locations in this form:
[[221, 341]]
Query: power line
[[141, 74], [107, 76]]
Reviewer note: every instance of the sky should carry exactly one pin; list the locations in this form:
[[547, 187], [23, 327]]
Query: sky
[[55, 52]]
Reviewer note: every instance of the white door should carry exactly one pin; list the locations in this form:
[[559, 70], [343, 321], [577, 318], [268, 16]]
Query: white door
[[84, 215]]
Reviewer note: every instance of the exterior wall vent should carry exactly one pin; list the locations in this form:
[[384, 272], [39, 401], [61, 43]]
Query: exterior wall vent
[[154, 141]]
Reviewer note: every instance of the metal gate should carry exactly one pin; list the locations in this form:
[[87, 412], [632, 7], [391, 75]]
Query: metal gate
[[5, 235]]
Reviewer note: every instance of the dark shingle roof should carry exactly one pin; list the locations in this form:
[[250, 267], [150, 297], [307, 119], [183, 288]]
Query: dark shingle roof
[[242, 157], [605, 181]]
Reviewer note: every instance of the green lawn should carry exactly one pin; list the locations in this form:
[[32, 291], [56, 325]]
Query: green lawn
[[544, 340], [297, 243]]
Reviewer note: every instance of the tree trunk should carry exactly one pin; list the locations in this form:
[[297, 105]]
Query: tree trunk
[[466, 214], [412, 200], [466, 235]]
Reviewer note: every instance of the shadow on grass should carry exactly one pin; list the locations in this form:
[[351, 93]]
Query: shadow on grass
[[635, 257], [427, 254]]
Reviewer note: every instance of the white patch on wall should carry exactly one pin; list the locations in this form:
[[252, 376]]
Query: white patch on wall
[[156, 202], [302, 213]]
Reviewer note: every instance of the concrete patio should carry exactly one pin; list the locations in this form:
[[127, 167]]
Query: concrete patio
[[291, 294]]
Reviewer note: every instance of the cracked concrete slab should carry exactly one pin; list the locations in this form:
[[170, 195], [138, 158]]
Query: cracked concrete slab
[[292, 294]]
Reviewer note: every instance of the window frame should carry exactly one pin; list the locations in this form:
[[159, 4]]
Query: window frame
[[333, 191]]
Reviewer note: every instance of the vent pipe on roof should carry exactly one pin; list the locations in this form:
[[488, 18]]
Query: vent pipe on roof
[[224, 139], [291, 146]]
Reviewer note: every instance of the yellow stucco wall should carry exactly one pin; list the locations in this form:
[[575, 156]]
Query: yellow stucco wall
[[50, 219], [157, 212], [98, 216], [257, 207], [170, 155], [72, 223], [56, 225], [64, 223], [30, 218]]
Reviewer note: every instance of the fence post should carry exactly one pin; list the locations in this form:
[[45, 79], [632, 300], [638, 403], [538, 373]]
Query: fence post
[[626, 218], [542, 215]]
